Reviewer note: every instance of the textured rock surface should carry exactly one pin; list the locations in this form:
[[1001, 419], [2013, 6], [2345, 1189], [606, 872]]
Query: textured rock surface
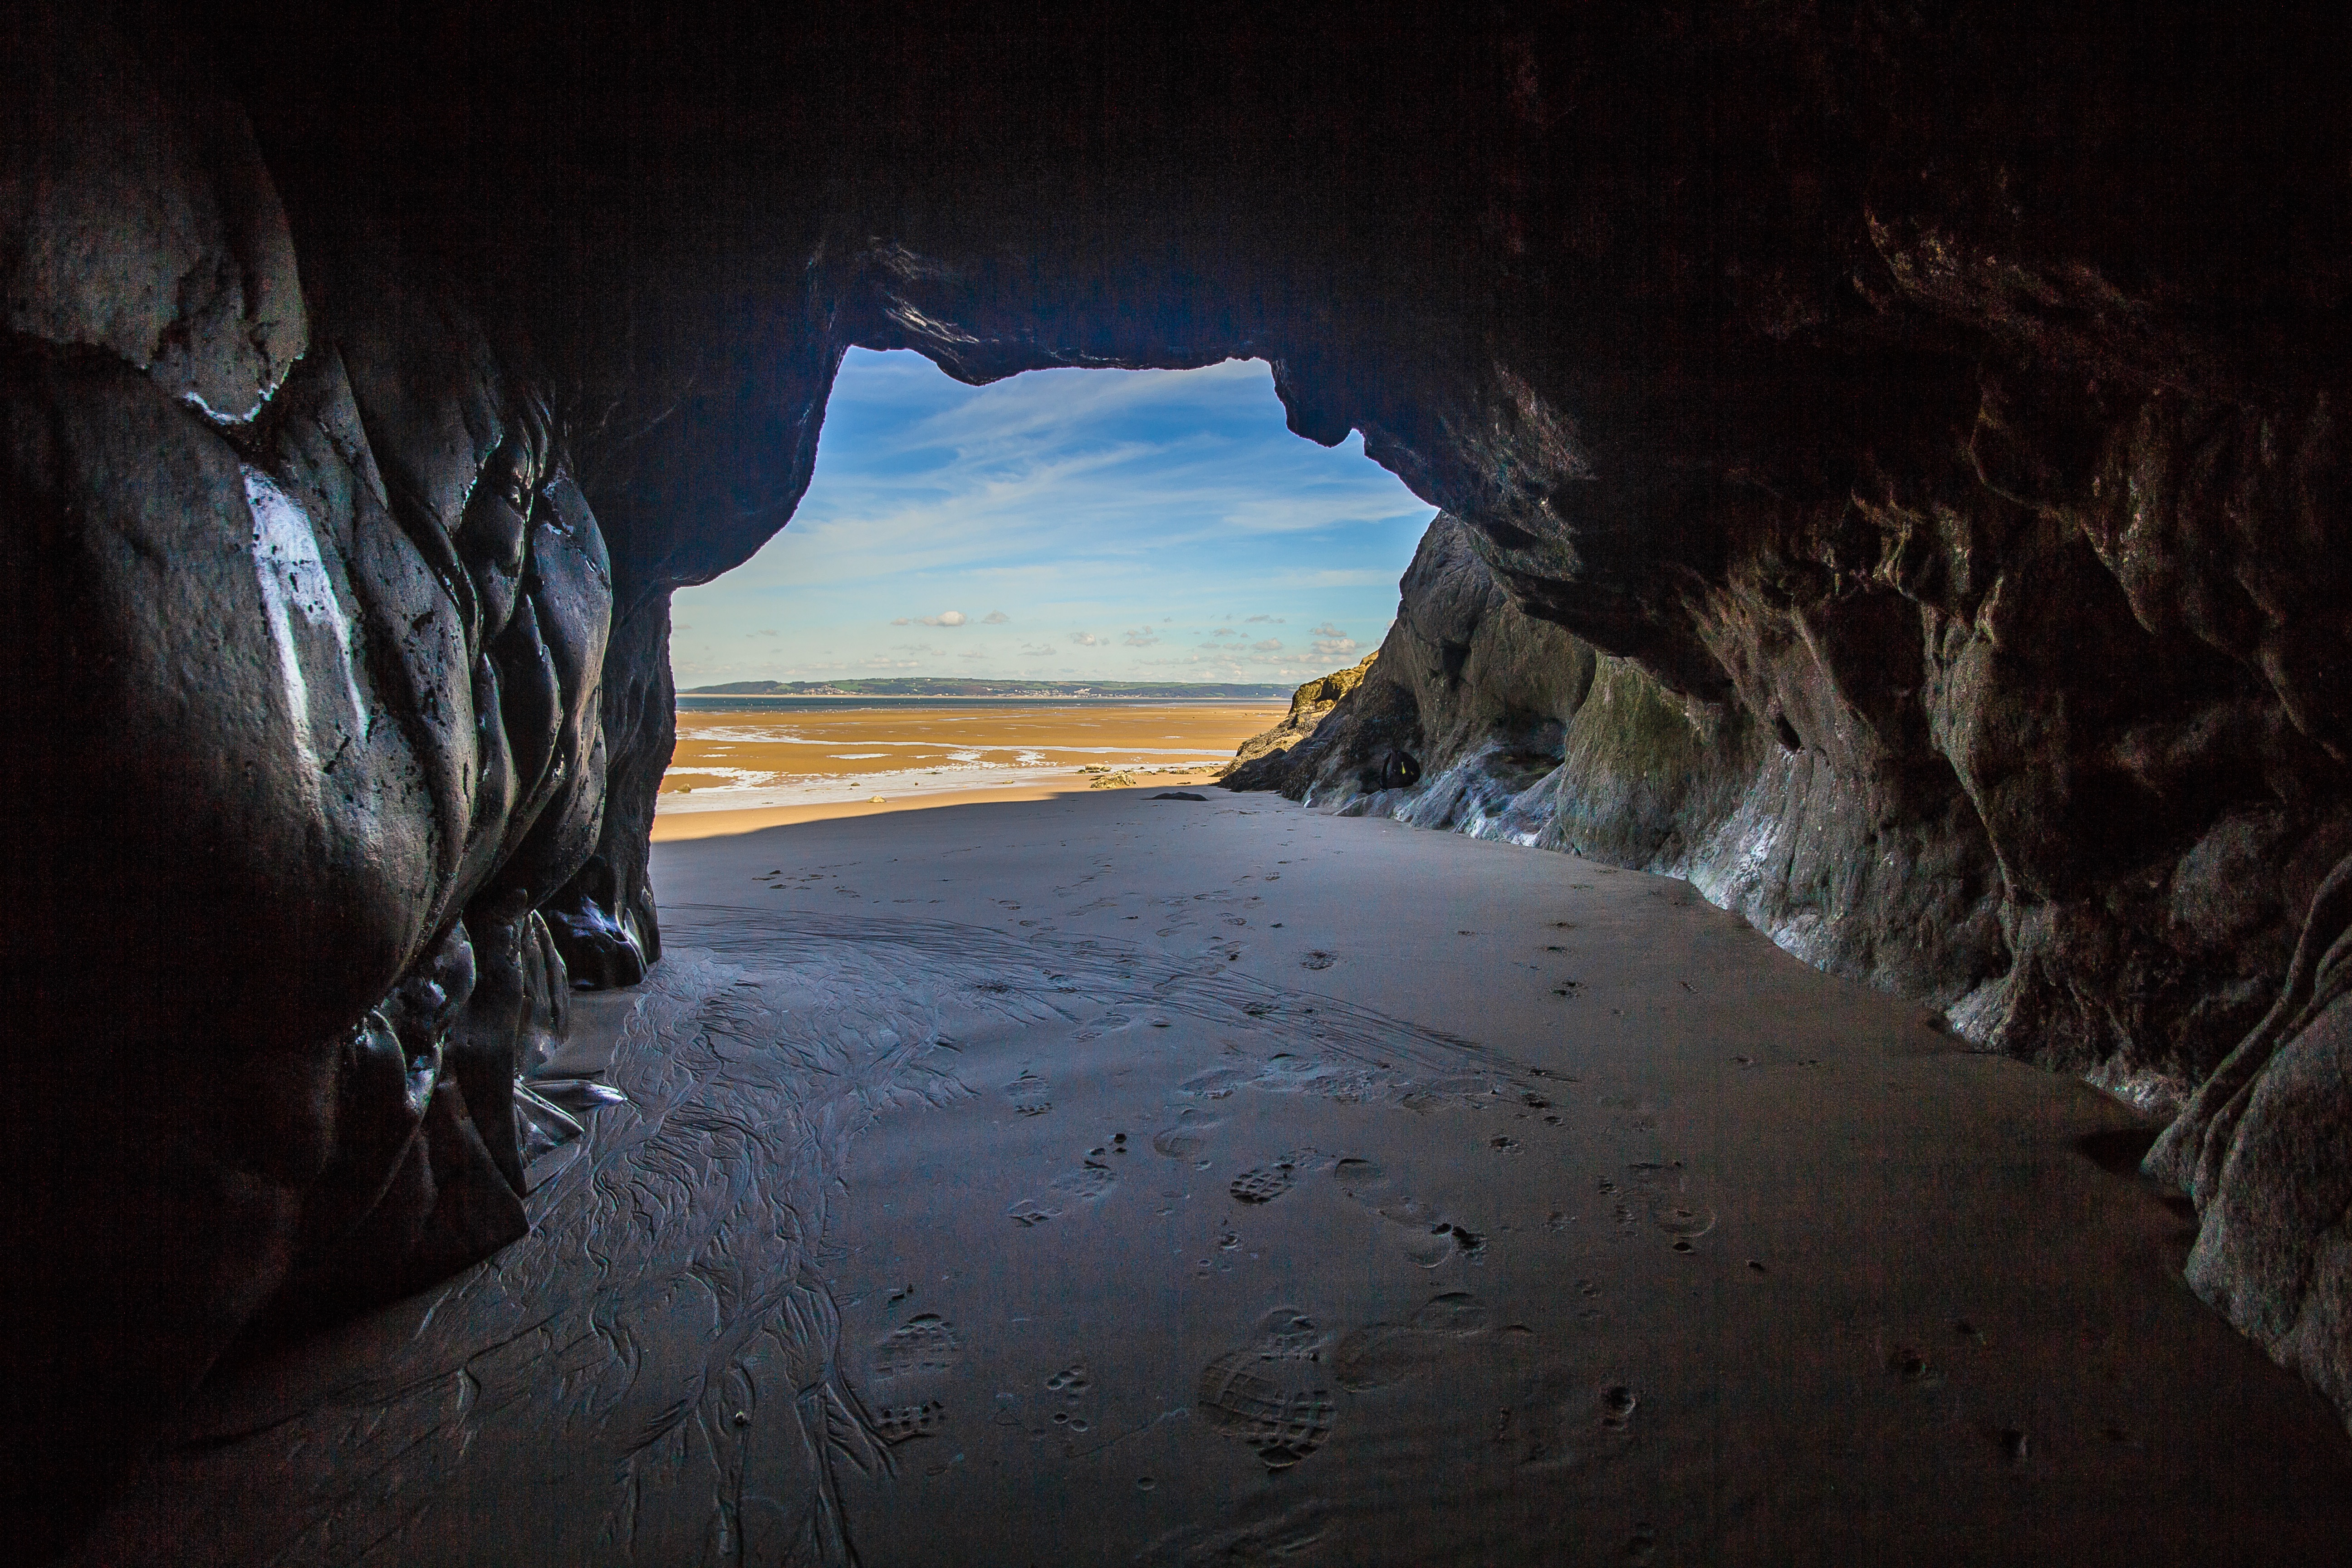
[[1259, 757], [1895, 458], [305, 618]]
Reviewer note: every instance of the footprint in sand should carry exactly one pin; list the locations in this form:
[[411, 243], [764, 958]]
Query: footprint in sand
[[1318, 959], [1456, 1314], [1263, 1183], [1070, 1385], [1272, 1395], [1217, 1083], [1029, 1212], [904, 1422], [1030, 1094], [1088, 1183], [1426, 1236], [1683, 1220], [1187, 1138], [924, 1343], [1379, 1355], [1285, 1333]]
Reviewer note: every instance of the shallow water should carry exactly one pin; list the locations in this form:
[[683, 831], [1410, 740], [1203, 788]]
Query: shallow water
[[811, 753]]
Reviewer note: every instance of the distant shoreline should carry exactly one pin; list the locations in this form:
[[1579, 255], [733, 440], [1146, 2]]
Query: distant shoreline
[[703, 703], [936, 688]]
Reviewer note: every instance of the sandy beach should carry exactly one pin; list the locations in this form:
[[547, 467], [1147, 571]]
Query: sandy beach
[[813, 759], [1109, 1179]]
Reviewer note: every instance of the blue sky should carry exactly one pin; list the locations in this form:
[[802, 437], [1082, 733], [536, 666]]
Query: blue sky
[[1064, 524]]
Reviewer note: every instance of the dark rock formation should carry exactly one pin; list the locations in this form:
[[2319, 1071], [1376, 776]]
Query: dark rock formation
[[305, 621], [1895, 466], [1258, 760]]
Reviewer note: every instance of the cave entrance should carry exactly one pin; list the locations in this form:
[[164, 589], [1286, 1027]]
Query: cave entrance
[[1066, 576]]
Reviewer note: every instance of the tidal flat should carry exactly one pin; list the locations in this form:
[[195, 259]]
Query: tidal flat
[[808, 759]]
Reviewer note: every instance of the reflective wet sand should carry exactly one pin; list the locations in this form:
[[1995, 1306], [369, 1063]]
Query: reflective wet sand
[[1115, 1179], [813, 754]]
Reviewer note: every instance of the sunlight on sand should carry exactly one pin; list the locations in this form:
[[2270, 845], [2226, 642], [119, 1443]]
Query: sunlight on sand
[[737, 771]]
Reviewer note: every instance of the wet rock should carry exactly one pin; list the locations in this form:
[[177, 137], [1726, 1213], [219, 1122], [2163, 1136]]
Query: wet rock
[[306, 618]]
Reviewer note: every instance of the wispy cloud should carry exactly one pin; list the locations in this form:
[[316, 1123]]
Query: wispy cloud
[[1062, 496]]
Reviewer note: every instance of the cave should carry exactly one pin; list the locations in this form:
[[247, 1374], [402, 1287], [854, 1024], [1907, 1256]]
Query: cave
[[1888, 472]]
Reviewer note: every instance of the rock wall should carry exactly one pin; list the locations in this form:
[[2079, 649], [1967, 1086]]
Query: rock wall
[[1870, 860], [305, 618], [1894, 467]]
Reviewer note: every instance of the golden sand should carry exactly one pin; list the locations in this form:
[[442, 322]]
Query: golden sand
[[745, 769]]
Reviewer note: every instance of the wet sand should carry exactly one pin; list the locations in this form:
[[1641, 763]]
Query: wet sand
[[1114, 1180], [810, 753]]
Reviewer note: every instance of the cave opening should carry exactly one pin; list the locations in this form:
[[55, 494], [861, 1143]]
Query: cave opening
[[1891, 488], [1073, 536]]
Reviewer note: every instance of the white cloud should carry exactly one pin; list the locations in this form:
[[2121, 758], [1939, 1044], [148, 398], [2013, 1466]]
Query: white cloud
[[1085, 639], [1141, 636], [1064, 491], [1334, 648], [1270, 645], [1328, 630], [1224, 632], [1039, 650]]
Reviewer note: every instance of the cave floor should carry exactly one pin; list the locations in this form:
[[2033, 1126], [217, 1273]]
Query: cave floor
[[1111, 1180]]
